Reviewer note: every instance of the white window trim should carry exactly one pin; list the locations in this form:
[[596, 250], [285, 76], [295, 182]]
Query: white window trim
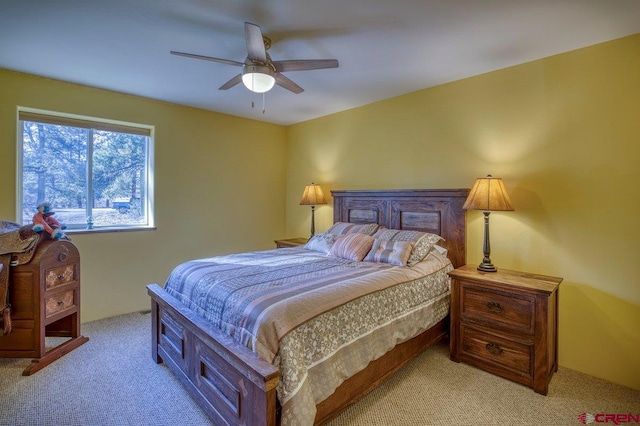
[[150, 169]]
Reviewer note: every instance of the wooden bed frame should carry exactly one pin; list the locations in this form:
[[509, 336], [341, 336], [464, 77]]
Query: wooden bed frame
[[234, 386]]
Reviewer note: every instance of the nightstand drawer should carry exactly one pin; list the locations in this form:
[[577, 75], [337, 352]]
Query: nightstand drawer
[[60, 276], [512, 311], [502, 353], [59, 303]]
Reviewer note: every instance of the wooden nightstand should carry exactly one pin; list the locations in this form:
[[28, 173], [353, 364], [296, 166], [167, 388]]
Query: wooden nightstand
[[291, 242], [506, 323]]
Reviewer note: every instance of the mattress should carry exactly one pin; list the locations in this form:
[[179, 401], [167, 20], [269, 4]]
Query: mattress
[[318, 319]]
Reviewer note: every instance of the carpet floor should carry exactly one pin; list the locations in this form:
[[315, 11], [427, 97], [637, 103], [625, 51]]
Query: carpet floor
[[112, 381]]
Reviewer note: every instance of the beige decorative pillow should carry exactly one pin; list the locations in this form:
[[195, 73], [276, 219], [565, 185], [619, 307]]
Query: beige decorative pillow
[[345, 228], [423, 242], [422, 248], [393, 252], [352, 246]]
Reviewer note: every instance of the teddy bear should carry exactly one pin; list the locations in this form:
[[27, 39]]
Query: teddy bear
[[44, 220]]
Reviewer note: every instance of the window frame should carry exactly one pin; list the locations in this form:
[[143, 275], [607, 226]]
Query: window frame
[[94, 123]]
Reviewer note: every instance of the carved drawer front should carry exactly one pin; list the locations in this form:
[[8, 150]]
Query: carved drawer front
[[172, 337], [60, 275], [515, 312], [503, 353], [220, 383], [59, 303]]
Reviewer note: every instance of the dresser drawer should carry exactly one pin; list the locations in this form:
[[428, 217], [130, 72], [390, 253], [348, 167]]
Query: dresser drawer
[[59, 302], [59, 276], [502, 353], [515, 312]]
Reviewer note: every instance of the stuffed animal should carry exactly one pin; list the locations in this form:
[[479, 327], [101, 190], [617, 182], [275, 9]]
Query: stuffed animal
[[44, 220]]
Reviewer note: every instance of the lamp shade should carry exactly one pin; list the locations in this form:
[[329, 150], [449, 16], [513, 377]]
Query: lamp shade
[[312, 196], [488, 194], [258, 78]]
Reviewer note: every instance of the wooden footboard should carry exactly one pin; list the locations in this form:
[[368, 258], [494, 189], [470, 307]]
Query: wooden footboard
[[232, 384]]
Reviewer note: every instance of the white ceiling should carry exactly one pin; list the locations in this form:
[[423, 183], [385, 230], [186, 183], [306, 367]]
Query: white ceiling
[[385, 48]]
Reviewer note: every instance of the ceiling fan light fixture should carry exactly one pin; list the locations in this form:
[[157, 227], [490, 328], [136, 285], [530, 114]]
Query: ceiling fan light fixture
[[258, 78]]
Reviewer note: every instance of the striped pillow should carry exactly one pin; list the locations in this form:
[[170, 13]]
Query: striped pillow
[[423, 242], [345, 228], [392, 252], [352, 246]]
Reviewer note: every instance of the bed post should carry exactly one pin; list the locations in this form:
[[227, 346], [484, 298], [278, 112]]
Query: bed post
[[154, 332]]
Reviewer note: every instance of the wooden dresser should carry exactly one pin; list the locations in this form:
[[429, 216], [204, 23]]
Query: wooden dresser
[[506, 322], [45, 301]]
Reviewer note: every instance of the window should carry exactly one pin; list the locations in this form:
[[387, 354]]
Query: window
[[96, 174]]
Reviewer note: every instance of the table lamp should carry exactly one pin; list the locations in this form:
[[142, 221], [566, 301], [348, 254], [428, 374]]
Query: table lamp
[[488, 194], [312, 196]]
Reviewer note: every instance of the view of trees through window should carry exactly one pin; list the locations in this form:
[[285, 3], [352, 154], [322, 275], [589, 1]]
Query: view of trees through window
[[92, 177]]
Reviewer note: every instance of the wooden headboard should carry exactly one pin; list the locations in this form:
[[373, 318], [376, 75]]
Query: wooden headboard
[[438, 211]]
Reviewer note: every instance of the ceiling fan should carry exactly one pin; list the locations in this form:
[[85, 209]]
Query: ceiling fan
[[259, 73]]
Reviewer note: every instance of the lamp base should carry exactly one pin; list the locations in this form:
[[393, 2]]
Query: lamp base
[[487, 267], [313, 221]]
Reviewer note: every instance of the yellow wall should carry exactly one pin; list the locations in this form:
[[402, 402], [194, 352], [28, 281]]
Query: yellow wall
[[564, 134], [219, 188]]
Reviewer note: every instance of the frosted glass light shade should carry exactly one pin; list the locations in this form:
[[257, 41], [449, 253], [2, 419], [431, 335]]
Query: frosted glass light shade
[[258, 78]]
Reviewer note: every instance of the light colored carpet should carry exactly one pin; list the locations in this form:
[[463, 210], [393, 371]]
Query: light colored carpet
[[112, 381]]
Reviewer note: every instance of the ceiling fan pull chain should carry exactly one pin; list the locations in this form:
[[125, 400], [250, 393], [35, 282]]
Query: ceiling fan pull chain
[[253, 78], [263, 108]]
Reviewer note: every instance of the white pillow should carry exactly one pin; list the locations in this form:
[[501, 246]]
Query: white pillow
[[321, 242]]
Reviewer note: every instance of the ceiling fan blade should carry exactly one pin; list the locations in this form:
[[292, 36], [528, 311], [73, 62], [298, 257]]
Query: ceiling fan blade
[[305, 64], [286, 83], [229, 84], [207, 58], [255, 44]]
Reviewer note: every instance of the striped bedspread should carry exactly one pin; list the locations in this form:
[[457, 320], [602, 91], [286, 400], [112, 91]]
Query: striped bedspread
[[319, 319]]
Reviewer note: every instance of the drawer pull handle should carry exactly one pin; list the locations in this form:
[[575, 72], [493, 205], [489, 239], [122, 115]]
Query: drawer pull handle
[[60, 302], [60, 277], [62, 252], [495, 307], [494, 348]]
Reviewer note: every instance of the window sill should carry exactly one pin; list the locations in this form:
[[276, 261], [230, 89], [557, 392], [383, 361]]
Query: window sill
[[109, 229]]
